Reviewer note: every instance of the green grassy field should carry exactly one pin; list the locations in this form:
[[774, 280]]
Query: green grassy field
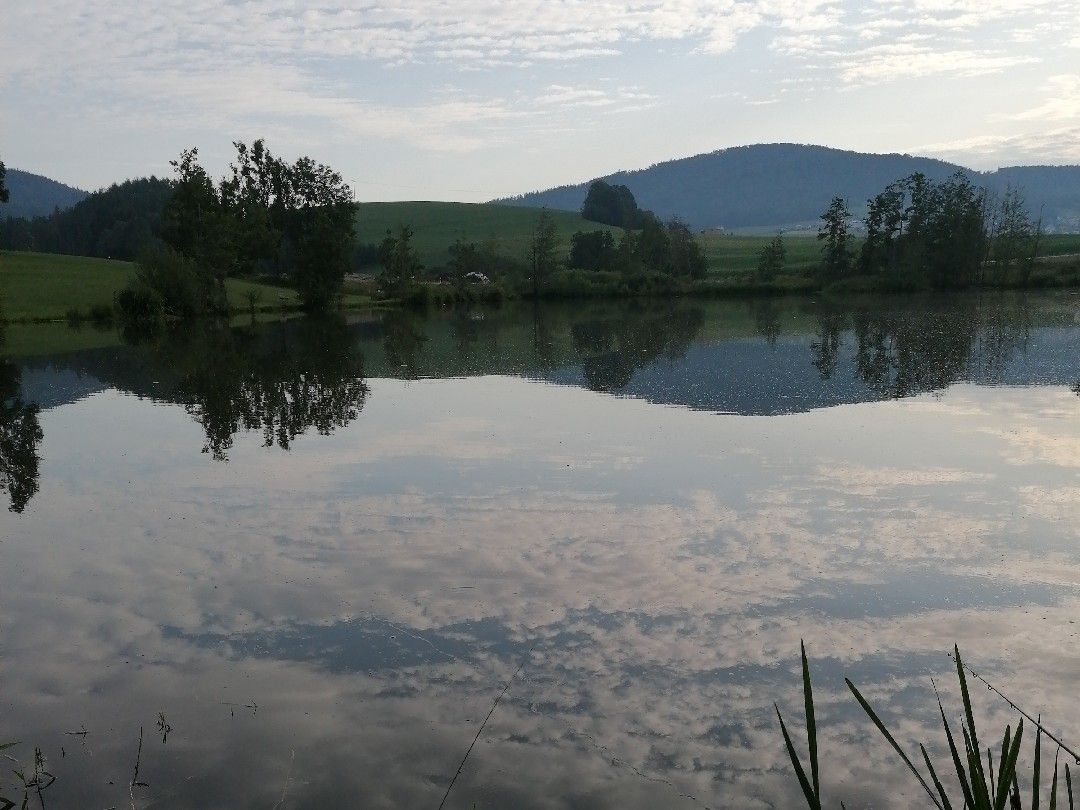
[[1059, 244], [739, 254], [437, 224], [46, 286]]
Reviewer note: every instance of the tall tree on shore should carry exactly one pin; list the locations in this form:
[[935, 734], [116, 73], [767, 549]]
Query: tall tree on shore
[[319, 230], [268, 215], [771, 259], [592, 250], [258, 194], [654, 246], [956, 233], [1014, 239], [685, 257], [836, 261], [611, 205], [4, 196], [196, 223], [399, 261], [542, 251]]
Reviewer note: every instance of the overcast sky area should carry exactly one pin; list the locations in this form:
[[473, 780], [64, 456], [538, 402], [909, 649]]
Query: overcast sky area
[[473, 99]]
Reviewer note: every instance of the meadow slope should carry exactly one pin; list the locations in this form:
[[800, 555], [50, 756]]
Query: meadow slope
[[47, 286]]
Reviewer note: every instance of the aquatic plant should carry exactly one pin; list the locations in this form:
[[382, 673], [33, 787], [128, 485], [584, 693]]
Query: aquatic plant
[[981, 788], [36, 781]]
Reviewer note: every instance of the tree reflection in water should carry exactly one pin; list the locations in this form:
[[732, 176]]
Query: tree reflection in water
[[616, 344], [901, 351], [20, 435], [281, 382], [403, 341]]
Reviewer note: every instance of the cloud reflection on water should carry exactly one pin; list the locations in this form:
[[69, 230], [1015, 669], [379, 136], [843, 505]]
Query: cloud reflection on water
[[370, 591]]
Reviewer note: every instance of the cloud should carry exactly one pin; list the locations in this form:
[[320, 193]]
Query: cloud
[[657, 610], [1061, 102], [336, 72], [1058, 145], [569, 97]]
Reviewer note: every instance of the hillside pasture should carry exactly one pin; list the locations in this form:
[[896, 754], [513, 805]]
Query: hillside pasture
[[738, 254], [47, 286], [436, 225]]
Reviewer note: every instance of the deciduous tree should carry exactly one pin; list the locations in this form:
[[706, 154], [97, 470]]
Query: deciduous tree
[[771, 259], [836, 259], [542, 251], [399, 261]]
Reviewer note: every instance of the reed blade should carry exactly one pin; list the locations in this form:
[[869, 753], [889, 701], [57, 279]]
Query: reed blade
[[811, 723], [934, 777], [958, 764], [1008, 766], [1037, 765], [892, 741], [808, 792], [990, 768], [1053, 785], [970, 716]]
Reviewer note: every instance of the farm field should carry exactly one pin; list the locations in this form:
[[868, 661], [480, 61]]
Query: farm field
[[436, 225], [47, 286]]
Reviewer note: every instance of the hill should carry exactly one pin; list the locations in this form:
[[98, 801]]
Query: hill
[[35, 196], [437, 224], [113, 223], [769, 185]]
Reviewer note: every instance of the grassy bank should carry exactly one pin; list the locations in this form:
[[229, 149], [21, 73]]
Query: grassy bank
[[50, 287], [37, 287]]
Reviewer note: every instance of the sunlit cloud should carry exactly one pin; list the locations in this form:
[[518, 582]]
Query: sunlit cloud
[[354, 77]]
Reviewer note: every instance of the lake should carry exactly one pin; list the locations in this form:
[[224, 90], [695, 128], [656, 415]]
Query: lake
[[305, 558]]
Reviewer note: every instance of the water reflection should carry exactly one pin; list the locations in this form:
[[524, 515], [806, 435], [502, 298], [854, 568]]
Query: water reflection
[[329, 627], [281, 384], [20, 435], [901, 351], [615, 344], [403, 341], [757, 357]]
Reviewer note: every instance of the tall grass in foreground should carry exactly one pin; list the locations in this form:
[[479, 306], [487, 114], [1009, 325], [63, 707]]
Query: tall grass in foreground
[[981, 788]]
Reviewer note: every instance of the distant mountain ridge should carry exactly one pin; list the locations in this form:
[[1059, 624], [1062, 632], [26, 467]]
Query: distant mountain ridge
[[33, 195], [783, 184]]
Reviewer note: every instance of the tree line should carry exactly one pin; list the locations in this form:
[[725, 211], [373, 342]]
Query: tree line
[[947, 234], [646, 245], [266, 216], [950, 233], [115, 223]]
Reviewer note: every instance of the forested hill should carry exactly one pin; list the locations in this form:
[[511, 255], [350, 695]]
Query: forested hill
[[33, 195], [787, 184], [117, 222]]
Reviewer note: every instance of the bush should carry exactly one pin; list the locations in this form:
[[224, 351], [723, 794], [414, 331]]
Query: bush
[[167, 284], [101, 314], [140, 305]]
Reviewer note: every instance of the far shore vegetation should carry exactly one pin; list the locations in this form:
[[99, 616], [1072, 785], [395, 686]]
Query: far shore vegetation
[[273, 236]]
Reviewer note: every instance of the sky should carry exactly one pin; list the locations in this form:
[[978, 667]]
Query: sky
[[475, 99]]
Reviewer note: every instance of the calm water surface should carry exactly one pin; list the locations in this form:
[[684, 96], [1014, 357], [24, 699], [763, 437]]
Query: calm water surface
[[321, 549]]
